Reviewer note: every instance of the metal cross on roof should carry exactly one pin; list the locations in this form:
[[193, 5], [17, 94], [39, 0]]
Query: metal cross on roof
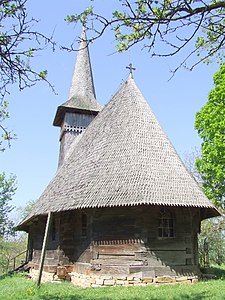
[[131, 69]]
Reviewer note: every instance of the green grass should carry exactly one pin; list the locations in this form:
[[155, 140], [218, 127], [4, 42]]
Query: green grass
[[18, 287]]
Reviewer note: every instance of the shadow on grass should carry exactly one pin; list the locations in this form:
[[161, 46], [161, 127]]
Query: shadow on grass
[[50, 297], [216, 272], [194, 296], [7, 275], [185, 297]]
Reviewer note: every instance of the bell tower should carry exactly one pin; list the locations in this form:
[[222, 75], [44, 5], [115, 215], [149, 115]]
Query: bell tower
[[80, 109]]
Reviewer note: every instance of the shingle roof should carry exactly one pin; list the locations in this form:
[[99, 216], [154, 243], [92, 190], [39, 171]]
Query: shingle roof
[[123, 158], [82, 92]]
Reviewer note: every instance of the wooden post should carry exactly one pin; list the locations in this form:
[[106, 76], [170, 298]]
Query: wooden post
[[14, 263], [44, 245]]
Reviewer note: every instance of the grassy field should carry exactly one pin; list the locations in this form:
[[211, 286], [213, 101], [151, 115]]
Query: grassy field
[[19, 287]]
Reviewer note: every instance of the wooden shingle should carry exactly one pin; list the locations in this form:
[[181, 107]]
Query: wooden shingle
[[122, 159]]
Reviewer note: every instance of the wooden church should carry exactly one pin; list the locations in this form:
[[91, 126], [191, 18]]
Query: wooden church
[[125, 211]]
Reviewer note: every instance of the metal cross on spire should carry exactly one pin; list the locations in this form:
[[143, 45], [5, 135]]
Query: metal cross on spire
[[131, 69]]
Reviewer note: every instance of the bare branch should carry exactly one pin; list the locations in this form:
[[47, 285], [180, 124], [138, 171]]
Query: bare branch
[[19, 44], [175, 24]]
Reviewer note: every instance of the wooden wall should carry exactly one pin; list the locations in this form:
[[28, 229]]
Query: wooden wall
[[120, 240], [129, 242], [73, 125]]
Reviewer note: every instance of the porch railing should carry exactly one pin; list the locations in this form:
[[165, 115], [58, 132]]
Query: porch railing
[[14, 260]]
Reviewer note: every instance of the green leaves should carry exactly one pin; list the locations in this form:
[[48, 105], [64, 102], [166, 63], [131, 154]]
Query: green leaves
[[6, 135], [42, 75], [164, 27], [83, 17], [7, 190], [210, 124], [211, 242]]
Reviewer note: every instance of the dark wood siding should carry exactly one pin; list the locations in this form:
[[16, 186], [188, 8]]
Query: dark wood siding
[[121, 240], [73, 125]]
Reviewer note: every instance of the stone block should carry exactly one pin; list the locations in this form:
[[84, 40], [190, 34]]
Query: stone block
[[46, 277], [137, 278], [36, 266], [109, 282], [150, 283], [121, 277], [134, 281], [148, 279], [130, 277], [96, 285], [33, 274], [164, 279], [99, 281], [121, 282], [69, 268], [106, 277], [181, 279], [50, 269], [57, 278], [92, 280], [137, 275], [61, 272], [68, 277], [192, 277], [186, 281]]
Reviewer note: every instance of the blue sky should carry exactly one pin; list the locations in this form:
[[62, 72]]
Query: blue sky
[[33, 156]]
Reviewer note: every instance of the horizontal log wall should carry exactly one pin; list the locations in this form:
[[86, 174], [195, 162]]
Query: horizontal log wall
[[129, 242], [120, 241]]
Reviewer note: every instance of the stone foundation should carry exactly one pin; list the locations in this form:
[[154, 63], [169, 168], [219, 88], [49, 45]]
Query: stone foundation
[[95, 280], [130, 280]]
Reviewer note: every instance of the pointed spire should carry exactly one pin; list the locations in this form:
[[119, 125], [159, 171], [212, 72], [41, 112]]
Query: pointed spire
[[82, 85], [82, 91]]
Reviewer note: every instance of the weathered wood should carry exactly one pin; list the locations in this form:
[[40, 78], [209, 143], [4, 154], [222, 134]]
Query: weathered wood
[[117, 261], [112, 270], [73, 125], [107, 241], [116, 255], [138, 246], [120, 247], [45, 241], [168, 244], [171, 258]]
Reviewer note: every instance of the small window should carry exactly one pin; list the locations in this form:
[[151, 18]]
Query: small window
[[166, 227], [83, 224]]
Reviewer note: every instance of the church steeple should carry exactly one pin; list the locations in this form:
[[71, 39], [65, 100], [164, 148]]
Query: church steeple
[[79, 110], [82, 91], [82, 86]]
